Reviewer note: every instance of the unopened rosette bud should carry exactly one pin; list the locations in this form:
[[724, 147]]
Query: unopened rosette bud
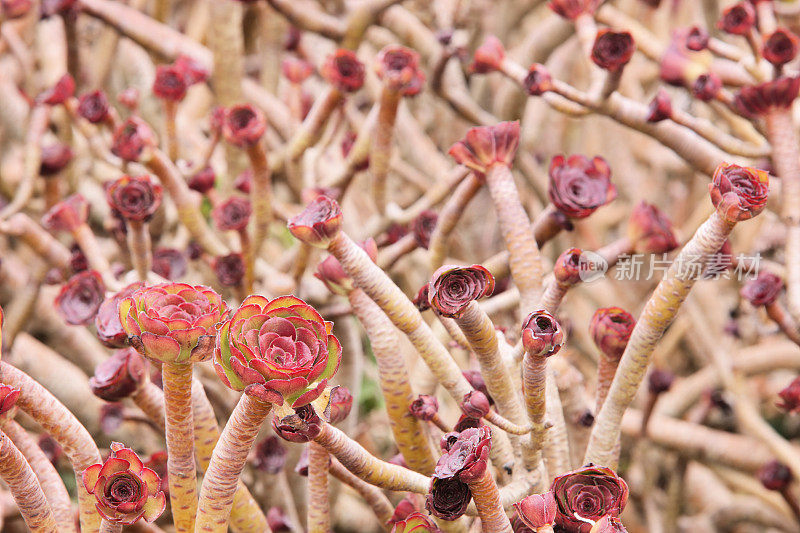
[[489, 56], [135, 198], [567, 269], [318, 223], [738, 19], [780, 47], [170, 83], [790, 397], [475, 379], [331, 273], [55, 157], [63, 89], [173, 322], [579, 185], [93, 106], [612, 50], [537, 510], [425, 407], [475, 404], [203, 180], [706, 87], [270, 455], [302, 426], [415, 522], [697, 39], [296, 70], [538, 80], [343, 70], [192, 70], [233, 214], [775, 475], [572, 9], [423, 227], [106, 321], [590, 492], [452, 288], [67, 215], [119, 376], [542, 334], [660, 107], [244, 125], [124, 489], [610, 328], [650, 231], [294, 357], [659, 381], [8, 399], [755, 100], [421, 301], [339, 404], [229, 269], [80, 297], [739, 193], [486, 146], [763, 290], [398, 68], [278, 521], [131, 138], [169, 263]]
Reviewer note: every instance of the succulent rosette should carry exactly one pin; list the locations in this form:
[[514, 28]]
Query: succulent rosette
[[170, 83], [588, 493], [93, 106], [233, 214], [270, 455], [8, 398], [398, 67], [739, 193], [612, 50], [780, 47], [80, 297], [448, 498], [302, 426], [537, 510], [67, 215], [489, 56], [763, 290], [660, 107], [567, 269], [424, 407], [650, 231], [485, 146], [790, 397], [135, 198], [737, 19], [572, 9], [610, 328], [754, 100], [173, 322], [131, 138], [538, 81], [119, 376], [280, 350], [318, 223], [452, 288], [124, 489], [542, 334], [415, 522], [339, 404], [55, 157], [244, 125], [579, 185], [775, 475], [106, 321]]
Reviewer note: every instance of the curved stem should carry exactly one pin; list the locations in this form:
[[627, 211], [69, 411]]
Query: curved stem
[[45, 245], [381, 151], [788, 326], [51, 483], [171, 138], [658, 314], [534, 377], [140, 247], [21, 481], [180, 444], [110, 527], [319, 516], [487, 501], [374, 497], [227, 462], [367, 467], [37, 126], [260, 196], [606, 369], [449, 216], [409, 433], [62, 425], [377, 285], [525, 261]]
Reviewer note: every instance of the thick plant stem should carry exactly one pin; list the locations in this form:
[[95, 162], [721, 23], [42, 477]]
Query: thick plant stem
[[525, 262], [556, 444], [381, 151], [230, 454], [788, 326], [180, 443], [319, 515], [88, 244], [45, 245], [140, 247], [534, 378], [110, 527], [62, 425], [786, 160], [260, 196], [249, 258], [449, 216], [186, 200], [18, 476], [658, 314], [367, 467], [409, 433], [52, 486], [553, 295], [311, 129], [150, 399], [377, 285], [374, 497], [606, 369], [170, 124], [487, 501]]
